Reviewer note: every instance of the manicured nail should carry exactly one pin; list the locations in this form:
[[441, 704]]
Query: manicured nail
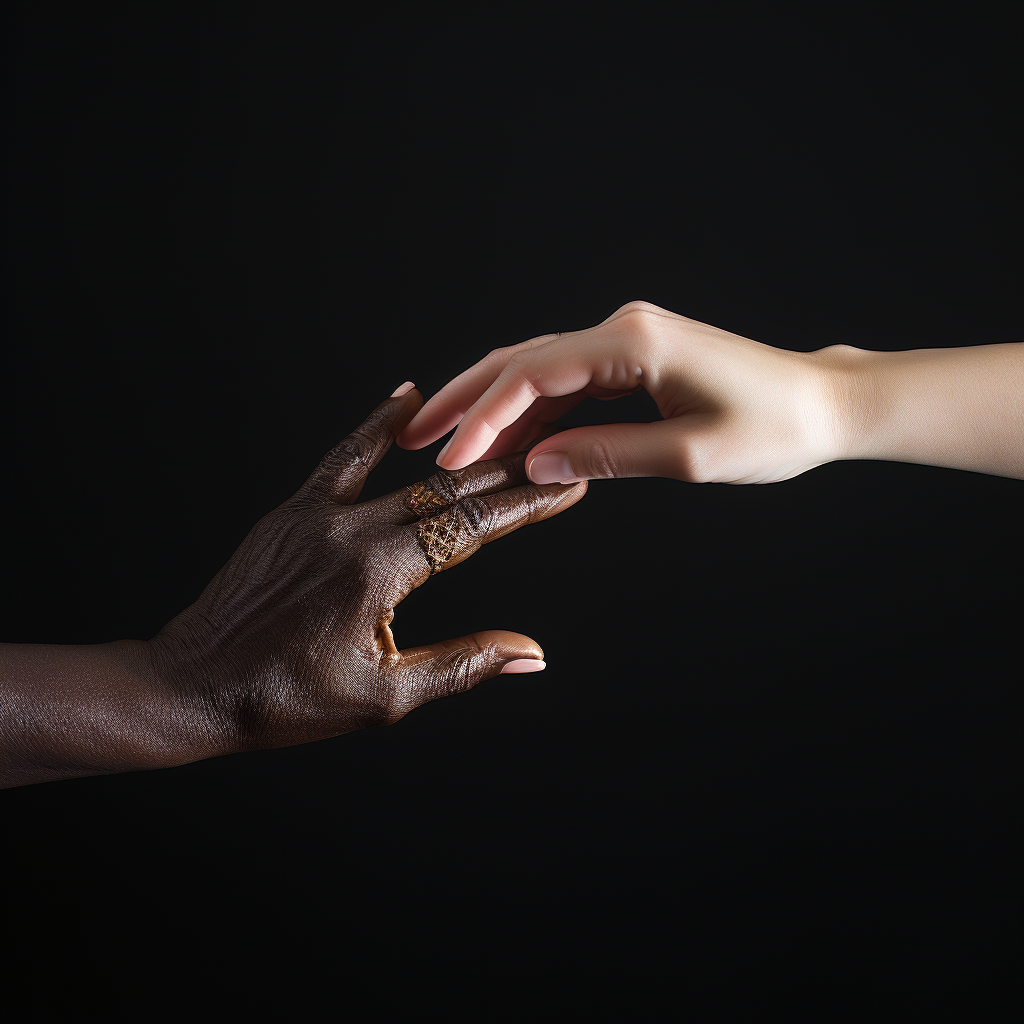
[[440, 454], [403, 390], [524, 665], [551, 468]]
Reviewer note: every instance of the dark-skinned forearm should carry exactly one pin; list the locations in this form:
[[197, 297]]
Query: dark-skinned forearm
[[70, 711]]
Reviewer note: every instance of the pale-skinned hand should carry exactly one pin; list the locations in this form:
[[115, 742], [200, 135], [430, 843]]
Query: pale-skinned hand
[[733, 410]]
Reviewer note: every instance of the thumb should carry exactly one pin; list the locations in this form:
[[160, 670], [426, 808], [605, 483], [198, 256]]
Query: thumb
[[451, 666], [609, 450]]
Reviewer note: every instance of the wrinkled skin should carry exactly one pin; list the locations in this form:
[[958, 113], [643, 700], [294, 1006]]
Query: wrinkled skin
[[290, 642]]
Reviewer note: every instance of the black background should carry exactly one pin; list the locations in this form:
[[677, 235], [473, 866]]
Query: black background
[[774, 756]]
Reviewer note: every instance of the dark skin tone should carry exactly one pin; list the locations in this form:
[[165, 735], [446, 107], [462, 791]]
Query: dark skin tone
[[291, 641]]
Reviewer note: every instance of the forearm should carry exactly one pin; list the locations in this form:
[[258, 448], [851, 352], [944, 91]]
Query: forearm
[[70, 711], [962, 408]]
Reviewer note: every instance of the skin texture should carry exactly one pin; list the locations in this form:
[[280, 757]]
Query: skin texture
[[734, 410], [291, 641]]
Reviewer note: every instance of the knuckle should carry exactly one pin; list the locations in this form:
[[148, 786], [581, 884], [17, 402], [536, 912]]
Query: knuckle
[[844, 351], [448, 484], [638, 306], [642, 325], [499, 357], [458, 672], [641, 321], [522, 367], [370, 433], [349, 452], [602, 461], [465, 677], [518, 362], [475, 514]]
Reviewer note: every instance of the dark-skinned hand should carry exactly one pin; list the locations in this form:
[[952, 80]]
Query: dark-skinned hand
[[291, 641]]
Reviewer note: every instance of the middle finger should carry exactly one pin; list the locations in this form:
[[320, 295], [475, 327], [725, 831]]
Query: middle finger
[[445, 487]]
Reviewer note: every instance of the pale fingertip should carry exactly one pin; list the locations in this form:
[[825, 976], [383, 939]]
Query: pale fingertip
[[445, 461], [521, 665], [409, 444], [551, 468]]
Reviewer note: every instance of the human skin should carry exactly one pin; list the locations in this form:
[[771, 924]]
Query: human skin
[[291, 641], [734, 410]]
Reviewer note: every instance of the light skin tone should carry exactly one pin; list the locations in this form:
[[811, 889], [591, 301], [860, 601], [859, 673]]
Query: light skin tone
[[734, 410], [292, 641]]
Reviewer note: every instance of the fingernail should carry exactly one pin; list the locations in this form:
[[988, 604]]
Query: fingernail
[[551, 468], [403, 390], [523, 665], [440, 454]]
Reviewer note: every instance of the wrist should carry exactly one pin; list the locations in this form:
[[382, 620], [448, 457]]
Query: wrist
[[851, 397], [194, 724]]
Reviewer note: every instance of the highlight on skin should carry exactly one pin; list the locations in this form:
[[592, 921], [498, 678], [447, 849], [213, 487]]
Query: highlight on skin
[[293, 640], [733, 410]]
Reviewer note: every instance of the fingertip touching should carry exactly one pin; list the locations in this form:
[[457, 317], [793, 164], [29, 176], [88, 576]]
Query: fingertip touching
[[343, 470], [407, 403], [396, 411], [551, 468], [430, 422]]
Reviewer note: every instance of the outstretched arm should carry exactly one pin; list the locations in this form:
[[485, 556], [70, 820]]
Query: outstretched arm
[[734, 410], [292, 641], [962, 408], [72, 710]]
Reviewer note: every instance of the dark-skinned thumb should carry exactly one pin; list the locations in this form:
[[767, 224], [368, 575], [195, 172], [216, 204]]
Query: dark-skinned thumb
[[452, 666]]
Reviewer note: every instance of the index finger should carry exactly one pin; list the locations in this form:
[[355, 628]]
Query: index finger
[[553, 371], [344, 469], [445, 409]]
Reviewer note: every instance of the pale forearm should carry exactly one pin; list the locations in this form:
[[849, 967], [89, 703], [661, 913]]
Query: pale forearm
[[962, 408]]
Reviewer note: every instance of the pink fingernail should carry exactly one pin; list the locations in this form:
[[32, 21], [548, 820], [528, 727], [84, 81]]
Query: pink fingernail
[[524, 665], [403, 390], [551, 468], [440, 454]]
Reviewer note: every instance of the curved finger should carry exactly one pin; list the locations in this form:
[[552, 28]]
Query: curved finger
[[534, 424], [343, 470], [420, 674], [447, 408], [444, 410], [609, 360], [539, 420], [521, 436]]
